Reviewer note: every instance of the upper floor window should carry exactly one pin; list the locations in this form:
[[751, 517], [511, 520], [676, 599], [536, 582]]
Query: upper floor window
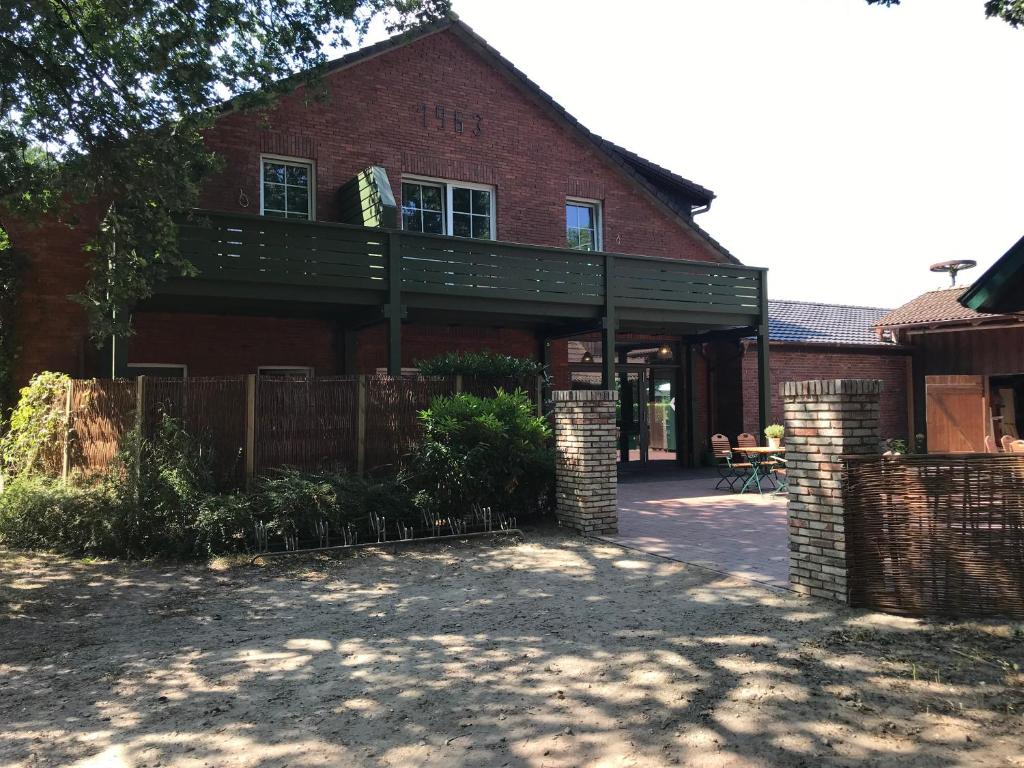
[[448, 208], [583, 225], [286, 188]]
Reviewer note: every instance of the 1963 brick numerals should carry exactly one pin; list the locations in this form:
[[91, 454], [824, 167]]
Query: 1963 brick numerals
[[445, 120]]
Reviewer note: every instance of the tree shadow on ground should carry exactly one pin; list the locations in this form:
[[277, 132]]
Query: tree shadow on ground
[[559, 651]]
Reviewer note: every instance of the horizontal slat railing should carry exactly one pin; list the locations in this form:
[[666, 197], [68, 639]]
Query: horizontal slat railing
[[246, 248], [499, 270], [260, 249]]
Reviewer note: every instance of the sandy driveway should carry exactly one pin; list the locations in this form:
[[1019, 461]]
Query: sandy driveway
[[554, 652]]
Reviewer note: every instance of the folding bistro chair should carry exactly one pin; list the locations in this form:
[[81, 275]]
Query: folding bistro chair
[[746, 440], [1007, 441], [990, 444], [729, 470], [779, 475], [764, 463]]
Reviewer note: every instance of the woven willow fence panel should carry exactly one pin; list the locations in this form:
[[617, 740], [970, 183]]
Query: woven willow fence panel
[[937, 534], [356, 423]]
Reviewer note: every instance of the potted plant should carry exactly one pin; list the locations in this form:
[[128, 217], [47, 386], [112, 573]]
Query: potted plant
[[774, 433]]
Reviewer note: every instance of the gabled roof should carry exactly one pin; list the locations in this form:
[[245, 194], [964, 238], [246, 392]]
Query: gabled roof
[[933, 307], [1001, 288], [678, 195], [805, 322]]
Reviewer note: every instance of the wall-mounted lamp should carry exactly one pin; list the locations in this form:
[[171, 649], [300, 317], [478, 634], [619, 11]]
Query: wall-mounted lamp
[[664, 351], [587, 357]]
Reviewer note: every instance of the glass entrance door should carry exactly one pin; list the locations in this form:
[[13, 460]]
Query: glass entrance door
[[633, 416], [661, 416]]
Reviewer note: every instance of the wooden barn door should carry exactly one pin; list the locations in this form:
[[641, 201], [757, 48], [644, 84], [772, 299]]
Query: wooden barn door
[[957, 413]]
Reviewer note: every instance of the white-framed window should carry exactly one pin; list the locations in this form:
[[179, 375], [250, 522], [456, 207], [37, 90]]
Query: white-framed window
[[287, 187], [443, 207], [285, 371], [583, 224], [159, 370]]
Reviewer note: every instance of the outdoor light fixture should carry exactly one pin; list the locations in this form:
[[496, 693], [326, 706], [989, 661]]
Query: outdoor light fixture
[[587, 357], [664, 351]]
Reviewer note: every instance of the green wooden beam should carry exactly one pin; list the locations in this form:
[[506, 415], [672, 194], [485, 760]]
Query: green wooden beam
[[393, 309], [608, 325], [691, 408], [764, 377]]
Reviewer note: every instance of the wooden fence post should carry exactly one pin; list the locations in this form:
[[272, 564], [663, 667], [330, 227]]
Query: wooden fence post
[[458, 383], [361, 425], [250, 428], [65, 464]]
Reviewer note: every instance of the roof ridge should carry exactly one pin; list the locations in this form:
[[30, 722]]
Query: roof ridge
[[828, 304]]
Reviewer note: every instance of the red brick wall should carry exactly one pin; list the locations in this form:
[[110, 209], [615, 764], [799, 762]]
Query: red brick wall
[[51, 329], [804, 363], [371, 117]]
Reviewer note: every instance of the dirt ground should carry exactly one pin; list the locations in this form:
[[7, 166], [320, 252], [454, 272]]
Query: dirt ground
[[556, 651]]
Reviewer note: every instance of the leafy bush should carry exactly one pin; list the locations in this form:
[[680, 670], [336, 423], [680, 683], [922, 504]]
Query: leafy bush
[[34, 440], [482, 364], [476, 451], [41, 513], [291, 502]]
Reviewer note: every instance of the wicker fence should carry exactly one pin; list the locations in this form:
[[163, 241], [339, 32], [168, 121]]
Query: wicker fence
[[253, 425], [936, 534]]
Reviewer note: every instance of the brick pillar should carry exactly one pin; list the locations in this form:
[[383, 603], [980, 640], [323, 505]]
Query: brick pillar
[[824, 420], [585, 453]]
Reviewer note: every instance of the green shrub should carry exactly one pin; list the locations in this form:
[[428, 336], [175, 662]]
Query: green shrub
[[34, 440], [291, 503], [482, 364], [476, 452], [41, 513]]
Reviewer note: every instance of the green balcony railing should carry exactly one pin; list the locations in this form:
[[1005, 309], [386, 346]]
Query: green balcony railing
[[258, 256]]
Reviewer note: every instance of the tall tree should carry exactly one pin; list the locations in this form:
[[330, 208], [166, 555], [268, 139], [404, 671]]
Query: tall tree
[[106, 100], [1010, 11]]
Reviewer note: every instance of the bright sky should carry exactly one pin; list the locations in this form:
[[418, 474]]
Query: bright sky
[[850, 146]]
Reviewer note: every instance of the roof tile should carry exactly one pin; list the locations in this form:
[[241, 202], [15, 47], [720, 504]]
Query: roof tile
[[932, 307], [805, 322]]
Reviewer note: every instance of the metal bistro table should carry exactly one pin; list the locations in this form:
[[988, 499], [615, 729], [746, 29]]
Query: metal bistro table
[[758, 456]]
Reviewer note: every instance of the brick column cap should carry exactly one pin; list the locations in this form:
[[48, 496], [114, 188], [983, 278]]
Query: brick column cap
[[584, 395], [831, 387]]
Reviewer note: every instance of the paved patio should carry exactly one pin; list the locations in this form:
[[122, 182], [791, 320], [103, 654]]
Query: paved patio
[[677, 514]]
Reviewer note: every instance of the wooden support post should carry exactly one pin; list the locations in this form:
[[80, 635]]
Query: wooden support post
[[458, 383], [65, 464], [764, 375], [608, 325], [250, 428], [691, 408], [394, 305], [361, 425]]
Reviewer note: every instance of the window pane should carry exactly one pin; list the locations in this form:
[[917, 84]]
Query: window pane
[[586, 240], [298, 175], [274, 214], [273, 197], [571, 221], [482, 227], [411, 220], [411, 195], [461, 225], [298, 200], [273, 172], [572, 237], [584, 214], [433, 223], [431, 198], [460, 200], [481, 202]]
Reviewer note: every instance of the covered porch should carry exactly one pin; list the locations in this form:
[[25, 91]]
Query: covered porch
[[369, 277]]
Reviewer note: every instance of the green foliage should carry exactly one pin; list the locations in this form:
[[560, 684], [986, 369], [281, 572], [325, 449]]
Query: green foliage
[[774, 430], [42, 513], [106, 101], [896, 445], [483, 364], [1010, 11], [35, 437], [476, 451], [12, 266], [291, 502]]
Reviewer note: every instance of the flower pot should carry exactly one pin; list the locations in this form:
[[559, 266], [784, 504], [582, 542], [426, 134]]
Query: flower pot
[[775, 442]]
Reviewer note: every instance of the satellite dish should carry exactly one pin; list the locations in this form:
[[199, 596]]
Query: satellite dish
[[953, 267]]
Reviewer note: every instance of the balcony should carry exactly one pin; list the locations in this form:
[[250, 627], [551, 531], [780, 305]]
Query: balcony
[[329, 267]]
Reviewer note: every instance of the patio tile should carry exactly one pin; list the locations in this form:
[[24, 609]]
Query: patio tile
[[680, 516]]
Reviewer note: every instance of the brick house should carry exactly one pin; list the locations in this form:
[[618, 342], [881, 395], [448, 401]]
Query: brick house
[[829, 341], [437, 200], [968, 369]]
